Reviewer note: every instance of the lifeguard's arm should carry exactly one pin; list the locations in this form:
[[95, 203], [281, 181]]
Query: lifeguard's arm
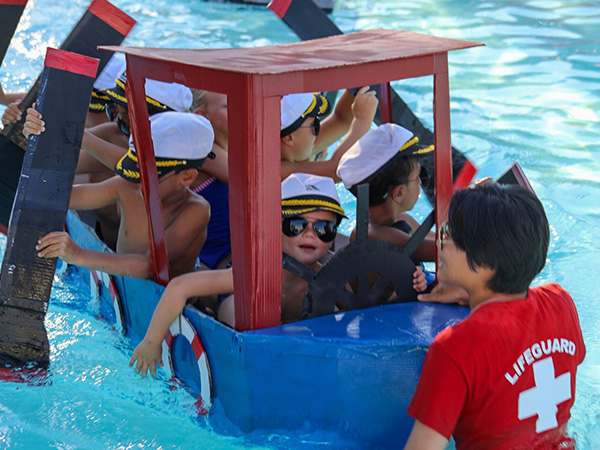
[[446, 293], [337, 124], [59, 244], [217, 166], [423, 437], [148, 353]]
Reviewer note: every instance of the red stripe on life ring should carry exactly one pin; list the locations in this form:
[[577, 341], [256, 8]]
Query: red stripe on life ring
[[197, 347]]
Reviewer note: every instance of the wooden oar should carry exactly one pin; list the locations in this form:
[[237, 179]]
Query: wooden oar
[[41, 205], [10, 14], [306, 20], [101, 24]]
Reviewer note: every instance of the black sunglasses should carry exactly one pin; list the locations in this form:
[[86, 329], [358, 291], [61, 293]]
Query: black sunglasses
[[111, 111], [123, 127], [325, 230]]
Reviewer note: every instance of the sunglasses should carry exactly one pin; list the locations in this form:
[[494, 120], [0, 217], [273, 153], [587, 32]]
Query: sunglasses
[[123, 127], [325, 230], [316, 126], [111, 111], [443, 235]]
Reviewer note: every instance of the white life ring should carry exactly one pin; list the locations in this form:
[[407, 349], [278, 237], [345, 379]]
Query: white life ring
[[97, 279], [182, 326]]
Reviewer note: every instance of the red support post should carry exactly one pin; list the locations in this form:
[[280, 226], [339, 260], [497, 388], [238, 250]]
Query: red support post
[[255, 205], [441, 139], [385, 103], [142, 139]]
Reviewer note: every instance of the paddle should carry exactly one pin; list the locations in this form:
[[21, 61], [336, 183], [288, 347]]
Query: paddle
[[101, 24], [306, 20], [10, 14], [41, 205]]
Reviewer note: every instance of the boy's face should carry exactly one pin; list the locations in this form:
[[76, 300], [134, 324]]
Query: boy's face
[[307, 247], [302, 141], [412, 189]]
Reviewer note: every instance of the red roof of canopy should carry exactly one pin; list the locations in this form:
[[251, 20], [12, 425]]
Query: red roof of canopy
[[254, 80]]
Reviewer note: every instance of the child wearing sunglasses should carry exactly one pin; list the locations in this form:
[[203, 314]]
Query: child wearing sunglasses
[[304, 136], [388, 159], [503, 378], [311, 212]]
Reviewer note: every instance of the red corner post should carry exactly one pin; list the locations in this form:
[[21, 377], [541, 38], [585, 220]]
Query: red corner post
[[142, 139], [441, 139], [255, 205]]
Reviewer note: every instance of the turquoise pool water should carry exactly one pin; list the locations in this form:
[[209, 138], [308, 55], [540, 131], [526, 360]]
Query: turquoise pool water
[[532, 95]]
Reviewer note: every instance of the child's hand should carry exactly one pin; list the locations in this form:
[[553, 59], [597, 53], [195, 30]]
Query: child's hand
[[58, 244], [147, 356], [33, 123], [365, 105], [446, 293], [419, 280], [12, 113]]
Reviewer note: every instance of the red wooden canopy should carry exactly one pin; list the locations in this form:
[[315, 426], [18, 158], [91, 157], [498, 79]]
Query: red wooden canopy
[[254, 80]]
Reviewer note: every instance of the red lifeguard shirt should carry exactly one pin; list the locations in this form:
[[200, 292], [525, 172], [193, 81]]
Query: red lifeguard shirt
[[504, 378]]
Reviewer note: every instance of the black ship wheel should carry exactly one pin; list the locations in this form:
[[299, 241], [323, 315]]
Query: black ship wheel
[[362, 274]]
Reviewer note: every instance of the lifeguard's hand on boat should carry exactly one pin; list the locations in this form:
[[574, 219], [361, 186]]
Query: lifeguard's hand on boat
[[58, 244], [147, 355], [33, 123], [446, 293]]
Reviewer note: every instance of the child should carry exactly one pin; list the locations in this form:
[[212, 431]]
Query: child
[[308, 233], [181, 143], [504, 377], [388, 159], [303, 136]]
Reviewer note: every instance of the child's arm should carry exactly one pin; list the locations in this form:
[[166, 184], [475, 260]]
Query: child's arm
[[424, 252], [364, 108], [59, 244], [335, 125], [106, 152], [95, 195], [148, 353], [446, 293], [10, 97], [217, 166]]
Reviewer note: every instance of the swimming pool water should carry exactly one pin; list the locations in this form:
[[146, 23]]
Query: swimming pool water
[[531, 95]]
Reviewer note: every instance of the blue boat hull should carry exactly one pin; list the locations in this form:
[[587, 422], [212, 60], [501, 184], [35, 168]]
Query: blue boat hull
[[351, 373]]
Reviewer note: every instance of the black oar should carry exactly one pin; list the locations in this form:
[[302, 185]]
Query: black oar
[[306, 20], [41, 205], [101, 24], [10, 14]]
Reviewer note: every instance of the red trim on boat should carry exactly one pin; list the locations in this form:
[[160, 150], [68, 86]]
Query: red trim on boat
[[280, 7], [71, 62], [466, 174], [169, 338], [13, 2], [113, 16], [3, 229]]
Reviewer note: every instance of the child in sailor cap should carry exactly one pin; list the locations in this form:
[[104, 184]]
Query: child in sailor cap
[[311, 212], [303, 136], [388, 159], [182, 142]]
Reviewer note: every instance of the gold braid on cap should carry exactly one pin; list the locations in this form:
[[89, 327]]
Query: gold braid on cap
[[412, 142], [164, 163], [148, 99], [308, 203]]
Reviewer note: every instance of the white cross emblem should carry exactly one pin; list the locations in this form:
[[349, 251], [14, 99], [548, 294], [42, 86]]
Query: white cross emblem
[[543, 399]]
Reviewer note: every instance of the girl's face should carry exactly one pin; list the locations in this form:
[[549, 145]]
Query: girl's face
[[215, 111], [307, 247]]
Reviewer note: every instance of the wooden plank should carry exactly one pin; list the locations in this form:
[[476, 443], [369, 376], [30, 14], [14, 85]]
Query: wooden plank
[[42, 202]]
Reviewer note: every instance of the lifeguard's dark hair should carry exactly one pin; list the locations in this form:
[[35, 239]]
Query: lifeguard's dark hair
[[504, 228], [394, 172]]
